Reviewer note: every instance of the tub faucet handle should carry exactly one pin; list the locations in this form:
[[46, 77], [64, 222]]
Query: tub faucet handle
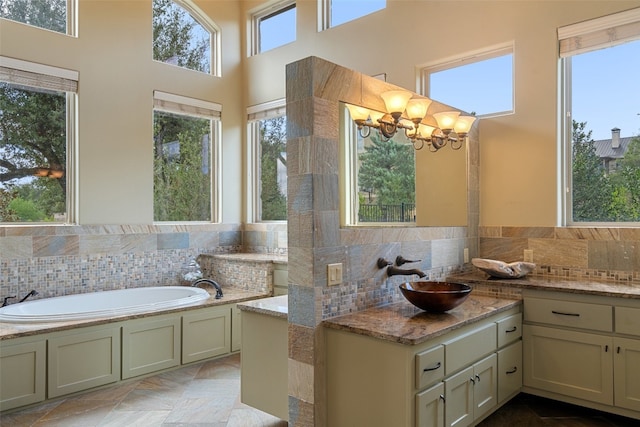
[[4, 301]]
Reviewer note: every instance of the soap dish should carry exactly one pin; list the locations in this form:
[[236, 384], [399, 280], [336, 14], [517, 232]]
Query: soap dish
[[502, 269]]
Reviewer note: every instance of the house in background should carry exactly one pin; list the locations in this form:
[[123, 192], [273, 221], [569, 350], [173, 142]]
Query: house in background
[[612, 150]]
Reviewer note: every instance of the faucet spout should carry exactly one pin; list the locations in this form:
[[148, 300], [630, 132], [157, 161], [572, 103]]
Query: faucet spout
[[209, 282], [33, 293], [395, 271]]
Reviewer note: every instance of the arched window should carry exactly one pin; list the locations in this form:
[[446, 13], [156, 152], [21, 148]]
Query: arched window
[[184, 36]]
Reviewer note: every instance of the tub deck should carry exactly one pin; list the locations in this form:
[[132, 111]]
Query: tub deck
[[231, 296]]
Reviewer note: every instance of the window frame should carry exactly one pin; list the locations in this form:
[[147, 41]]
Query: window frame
[[71, 21], [43, 76], [576, 39], [504, 49], [265, 12], [325, 14], [256, 113], [192, 107]]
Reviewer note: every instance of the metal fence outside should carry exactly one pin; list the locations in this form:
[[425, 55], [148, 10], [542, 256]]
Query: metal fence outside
[[404, 212]]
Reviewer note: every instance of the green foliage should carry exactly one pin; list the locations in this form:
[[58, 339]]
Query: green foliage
[[26, 210], [600, 196], [32, 136], [7, 214], [182, 170], [387, 169], [178, 38], [273, 146], [48, 14]]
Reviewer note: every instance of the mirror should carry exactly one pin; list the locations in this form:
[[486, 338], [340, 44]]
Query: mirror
[[386, 182]]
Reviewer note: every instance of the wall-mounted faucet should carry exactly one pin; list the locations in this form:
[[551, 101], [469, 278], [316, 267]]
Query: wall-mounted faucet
[[395, 271], [33, 293], [209, 282]]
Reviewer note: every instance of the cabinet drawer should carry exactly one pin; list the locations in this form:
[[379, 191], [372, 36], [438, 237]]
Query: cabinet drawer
[[468, 348], [628, 320], [509, 329], [573, 314], [509, 371], [429, 366]]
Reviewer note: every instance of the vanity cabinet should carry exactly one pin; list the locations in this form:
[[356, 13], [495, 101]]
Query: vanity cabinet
[[583, 349], [451, 380], [22, 367]]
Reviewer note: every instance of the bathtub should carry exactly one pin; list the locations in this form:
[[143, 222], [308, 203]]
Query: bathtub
[[102, 304]]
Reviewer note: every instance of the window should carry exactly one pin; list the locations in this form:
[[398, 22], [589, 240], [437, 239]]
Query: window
[[185, 158], [268, 133], [184, 36], [54, 15], [379, 177], [273, 27], [455, 82], [36, 128], [601, 130], [336, 12]]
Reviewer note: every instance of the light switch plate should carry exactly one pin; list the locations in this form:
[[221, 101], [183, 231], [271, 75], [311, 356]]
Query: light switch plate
[[334, 274], [466, 255]]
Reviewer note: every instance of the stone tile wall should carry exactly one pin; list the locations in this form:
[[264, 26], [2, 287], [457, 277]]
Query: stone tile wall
[[603, 253], [67, 259]]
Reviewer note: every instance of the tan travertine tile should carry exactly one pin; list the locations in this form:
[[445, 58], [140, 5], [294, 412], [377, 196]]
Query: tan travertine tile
[[587, 233], [559, 252], [538, 232], [301, 343], [301, 381]]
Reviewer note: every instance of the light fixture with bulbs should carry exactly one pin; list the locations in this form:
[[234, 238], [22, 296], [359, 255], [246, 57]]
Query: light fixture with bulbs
[[452, 127]]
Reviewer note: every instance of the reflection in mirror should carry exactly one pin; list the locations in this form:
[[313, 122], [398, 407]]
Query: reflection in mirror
[[386, 182], [381, 177]]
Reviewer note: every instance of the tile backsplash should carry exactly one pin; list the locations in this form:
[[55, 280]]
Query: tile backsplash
[[67, 259]]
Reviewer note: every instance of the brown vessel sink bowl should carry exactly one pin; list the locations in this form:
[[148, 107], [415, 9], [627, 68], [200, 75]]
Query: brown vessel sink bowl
[[435, 297]]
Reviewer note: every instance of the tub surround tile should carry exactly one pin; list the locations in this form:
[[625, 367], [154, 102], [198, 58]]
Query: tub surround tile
[[46, 246], [16, 247]]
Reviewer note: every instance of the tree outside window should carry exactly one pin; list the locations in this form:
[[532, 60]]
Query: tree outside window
[[47, 14], [33, 154], [273, 169], [179, 39]]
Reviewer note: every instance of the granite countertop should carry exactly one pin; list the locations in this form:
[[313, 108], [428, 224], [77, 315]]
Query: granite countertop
[[404, 323], [15, 330], [556, 284], [274, 306]]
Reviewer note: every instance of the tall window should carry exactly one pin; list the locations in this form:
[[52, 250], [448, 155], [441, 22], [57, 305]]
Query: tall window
[[457, 82], [54, 15], [336, 12], [184, 158], [273, 26], [181, 37], [36, 110], [601, 126], [268, 130]]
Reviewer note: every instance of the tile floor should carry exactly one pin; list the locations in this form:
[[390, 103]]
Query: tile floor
[[208, 395]]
